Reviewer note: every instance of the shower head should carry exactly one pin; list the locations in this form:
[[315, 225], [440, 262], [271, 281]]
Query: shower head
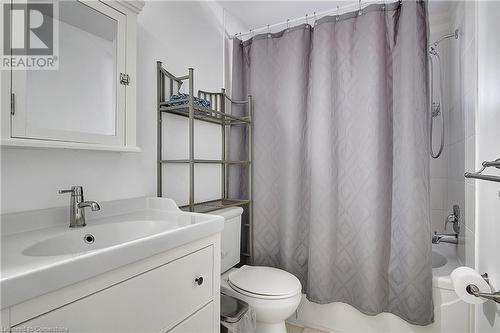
[[432, 48]]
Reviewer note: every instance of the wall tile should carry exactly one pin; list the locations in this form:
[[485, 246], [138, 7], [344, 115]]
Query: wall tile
[[470, 73], [455, 128], [456, 161], [469, 27], [460, 63], [439, 166], [470, 157], [454, 75], [470, 113], [437, 220], [456, 196], [438, 194]]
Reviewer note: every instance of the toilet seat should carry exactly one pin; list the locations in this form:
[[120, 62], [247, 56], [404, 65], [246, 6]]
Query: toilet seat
[[264, 282]]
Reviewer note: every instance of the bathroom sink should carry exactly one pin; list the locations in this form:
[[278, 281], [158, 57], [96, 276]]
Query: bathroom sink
[[49, 255], [97, 237], [438, 260]]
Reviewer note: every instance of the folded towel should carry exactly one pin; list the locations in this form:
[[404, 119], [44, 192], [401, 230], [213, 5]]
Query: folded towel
[[180, 99]]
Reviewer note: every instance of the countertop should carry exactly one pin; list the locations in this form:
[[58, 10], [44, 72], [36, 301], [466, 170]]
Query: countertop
[[26, 276]]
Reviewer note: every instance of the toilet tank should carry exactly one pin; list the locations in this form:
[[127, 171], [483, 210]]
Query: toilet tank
[[230, 236]]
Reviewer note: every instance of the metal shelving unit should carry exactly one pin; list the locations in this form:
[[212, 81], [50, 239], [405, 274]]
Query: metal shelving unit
[[169, 84]]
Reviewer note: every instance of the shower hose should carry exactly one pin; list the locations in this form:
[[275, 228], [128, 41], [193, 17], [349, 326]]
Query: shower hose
[[436, 109]]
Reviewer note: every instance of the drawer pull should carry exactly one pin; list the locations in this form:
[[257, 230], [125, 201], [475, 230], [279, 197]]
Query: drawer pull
[[199, 280]]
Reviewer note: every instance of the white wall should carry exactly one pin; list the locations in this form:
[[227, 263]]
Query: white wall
[[488, 148], [474, 130], [231, 26], [183, 35]]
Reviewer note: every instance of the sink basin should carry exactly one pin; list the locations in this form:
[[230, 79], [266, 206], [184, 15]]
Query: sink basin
[[38, 258], [438, 260], [96, 237]]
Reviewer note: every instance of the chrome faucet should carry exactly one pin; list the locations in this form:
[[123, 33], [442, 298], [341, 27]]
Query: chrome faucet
[[454, 219], [77, 206], [444, 238]]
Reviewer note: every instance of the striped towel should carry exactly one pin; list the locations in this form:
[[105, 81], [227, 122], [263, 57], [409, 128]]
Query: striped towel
[[180, 99]]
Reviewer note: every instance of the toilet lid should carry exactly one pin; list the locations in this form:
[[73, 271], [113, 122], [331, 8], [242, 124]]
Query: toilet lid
[[265, 281]]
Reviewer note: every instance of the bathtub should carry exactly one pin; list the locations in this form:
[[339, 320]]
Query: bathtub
[[450, 313]]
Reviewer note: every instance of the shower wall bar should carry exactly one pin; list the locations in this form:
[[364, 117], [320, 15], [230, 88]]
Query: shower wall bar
[[359, 7], [437, 108], [486, 164]]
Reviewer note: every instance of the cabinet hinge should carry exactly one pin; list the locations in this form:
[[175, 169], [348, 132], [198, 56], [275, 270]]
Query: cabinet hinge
[[124, 79], [12, 103]]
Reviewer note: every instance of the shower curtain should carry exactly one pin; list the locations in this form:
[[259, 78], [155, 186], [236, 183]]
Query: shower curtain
[[341, 157]]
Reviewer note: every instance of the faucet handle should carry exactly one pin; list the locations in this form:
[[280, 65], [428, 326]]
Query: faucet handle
[[454, 219], [449, 219], [75, 191]]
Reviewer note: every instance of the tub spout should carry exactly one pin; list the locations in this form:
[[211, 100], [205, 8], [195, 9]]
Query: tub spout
[[444, 238]]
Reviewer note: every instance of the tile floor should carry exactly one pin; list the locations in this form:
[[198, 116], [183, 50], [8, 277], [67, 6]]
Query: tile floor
[[297, 329]]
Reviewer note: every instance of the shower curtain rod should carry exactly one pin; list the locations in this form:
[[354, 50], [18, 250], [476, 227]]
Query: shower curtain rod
[[339, 10]]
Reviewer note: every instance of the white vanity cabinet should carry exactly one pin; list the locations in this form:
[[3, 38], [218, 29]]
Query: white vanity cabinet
[[88, 100], [176, 291]]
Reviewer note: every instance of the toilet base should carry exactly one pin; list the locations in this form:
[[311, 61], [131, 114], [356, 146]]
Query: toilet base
[[270, 313], [271, 328]]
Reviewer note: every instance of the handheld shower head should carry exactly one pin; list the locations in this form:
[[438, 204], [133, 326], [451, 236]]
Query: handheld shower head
[[454, 34], [436, 107]]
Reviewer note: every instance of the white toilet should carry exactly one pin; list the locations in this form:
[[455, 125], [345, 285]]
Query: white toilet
[[273, 293]]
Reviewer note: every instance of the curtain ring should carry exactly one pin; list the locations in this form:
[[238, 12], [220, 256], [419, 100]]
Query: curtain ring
[[360, 12], [307, 22], [287, 23], [337, 18], [315, 18], [268, 32]]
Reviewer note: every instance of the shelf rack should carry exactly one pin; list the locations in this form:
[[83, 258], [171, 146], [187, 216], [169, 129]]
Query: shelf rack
[[169, 84]]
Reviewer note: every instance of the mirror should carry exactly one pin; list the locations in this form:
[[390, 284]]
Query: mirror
[[82, 100], [80, 95]]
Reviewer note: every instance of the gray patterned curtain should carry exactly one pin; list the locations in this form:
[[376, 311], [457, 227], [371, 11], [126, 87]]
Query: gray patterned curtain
[[341, 161]]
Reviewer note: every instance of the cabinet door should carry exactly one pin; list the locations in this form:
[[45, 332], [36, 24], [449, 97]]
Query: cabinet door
[[82, 100], [154, 301]]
